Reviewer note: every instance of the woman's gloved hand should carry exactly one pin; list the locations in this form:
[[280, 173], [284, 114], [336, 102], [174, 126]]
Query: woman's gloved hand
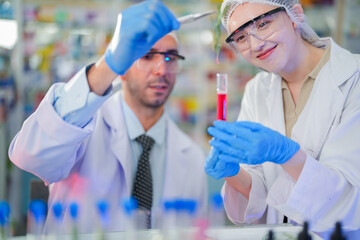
[[250, 143], [219, 169], [138, 28]]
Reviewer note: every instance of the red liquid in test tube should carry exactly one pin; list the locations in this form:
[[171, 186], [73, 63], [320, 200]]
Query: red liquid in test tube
[[221, 106], [221, 89]]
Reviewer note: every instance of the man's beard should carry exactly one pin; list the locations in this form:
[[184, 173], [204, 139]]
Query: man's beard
[[144, 101]]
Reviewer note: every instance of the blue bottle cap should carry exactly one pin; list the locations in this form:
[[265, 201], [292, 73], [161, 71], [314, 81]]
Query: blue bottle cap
[[187, 205], [38, 208], [74, 208], [190, 206], [169, 205], [57, 210], [4, 213], [129, 205], [217, 201], [103, 208], [179, 205]]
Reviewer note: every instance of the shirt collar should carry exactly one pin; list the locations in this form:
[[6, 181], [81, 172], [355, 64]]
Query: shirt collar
[[315, 72], [324, 59], [135, 129]]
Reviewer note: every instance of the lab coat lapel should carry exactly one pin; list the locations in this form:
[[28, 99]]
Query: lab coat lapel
[[176, 162], [274, 105], [324, 104], [119, 141]]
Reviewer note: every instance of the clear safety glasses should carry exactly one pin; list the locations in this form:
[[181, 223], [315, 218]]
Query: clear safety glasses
[[153, 60], [260, 27]]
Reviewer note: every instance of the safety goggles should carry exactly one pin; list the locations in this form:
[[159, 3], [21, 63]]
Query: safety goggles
[[261, 27], [153, 60]]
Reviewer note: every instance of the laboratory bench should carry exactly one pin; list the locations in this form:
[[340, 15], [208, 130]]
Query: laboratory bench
[[251, 232]]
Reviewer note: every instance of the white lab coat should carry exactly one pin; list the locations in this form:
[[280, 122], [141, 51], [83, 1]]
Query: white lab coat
[[328, 130], [93, 163]]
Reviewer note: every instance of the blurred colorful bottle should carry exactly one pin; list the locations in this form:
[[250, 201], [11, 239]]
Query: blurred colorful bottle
[[186, 217], [103, 210], [4, 220], [169, 228], [37, 216], [74, 212], [216, 216], [221, 89], [57, 211], [217, 212], [179, 217], [186, 212], [129, 207]]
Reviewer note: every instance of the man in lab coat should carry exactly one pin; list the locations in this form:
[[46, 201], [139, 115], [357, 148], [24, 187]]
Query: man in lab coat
[[81, 139]]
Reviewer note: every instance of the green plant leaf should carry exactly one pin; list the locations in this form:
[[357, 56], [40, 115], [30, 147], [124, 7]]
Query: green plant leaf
[[217, 31]]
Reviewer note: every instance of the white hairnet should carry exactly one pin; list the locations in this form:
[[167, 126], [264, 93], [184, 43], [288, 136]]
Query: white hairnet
[[305, 30], [175, 36]]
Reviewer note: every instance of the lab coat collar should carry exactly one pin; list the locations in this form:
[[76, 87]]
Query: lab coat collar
[[114, 119], [339, 59], [274, 98], [337, 70], [119, 142]]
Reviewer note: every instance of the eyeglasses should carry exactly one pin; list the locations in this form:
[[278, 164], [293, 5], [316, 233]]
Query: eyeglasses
[[172, 61], [261, 27]]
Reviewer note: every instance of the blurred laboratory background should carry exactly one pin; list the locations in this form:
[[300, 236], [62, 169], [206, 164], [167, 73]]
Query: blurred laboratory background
[[48, 41]]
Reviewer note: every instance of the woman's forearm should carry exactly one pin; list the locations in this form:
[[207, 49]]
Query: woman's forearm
[[241, 182]]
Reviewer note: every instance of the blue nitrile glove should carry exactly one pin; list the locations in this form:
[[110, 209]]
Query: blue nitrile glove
[[138, 28], [251, 143], [217, 168]]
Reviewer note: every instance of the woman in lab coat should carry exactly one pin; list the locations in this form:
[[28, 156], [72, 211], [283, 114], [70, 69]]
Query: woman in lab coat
[[294, 152]]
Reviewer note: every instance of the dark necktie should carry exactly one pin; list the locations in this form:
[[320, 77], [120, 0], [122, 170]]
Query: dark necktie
[[142, 189]]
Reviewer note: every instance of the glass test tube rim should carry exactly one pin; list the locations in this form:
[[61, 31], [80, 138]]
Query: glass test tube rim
[[222, 83]]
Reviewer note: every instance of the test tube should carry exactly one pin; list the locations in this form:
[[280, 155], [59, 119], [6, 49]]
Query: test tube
[[186, 212], [221, 89], [216, 216], [74, 212], [216, 211], [130, 208], [103, 210], [4, 220], [37, 217], [57, 210], [169, 228], [186, 217]]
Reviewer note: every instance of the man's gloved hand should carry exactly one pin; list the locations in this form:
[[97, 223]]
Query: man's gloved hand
[[251, 143], [138, 28], [219, 169]]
